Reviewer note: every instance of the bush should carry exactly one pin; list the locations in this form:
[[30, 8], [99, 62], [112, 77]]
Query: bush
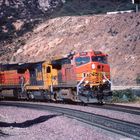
[[138, 79], [123, 96]]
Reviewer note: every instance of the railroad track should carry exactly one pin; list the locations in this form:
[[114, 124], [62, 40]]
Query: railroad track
[[114, 107], [124, 128], [122, 108]]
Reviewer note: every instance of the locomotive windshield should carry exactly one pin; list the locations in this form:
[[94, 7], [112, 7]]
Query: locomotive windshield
[[101, 59], [82, 60]]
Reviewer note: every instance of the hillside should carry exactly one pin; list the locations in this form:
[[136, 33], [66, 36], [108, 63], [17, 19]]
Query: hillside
[[20, 16], [62, 31]]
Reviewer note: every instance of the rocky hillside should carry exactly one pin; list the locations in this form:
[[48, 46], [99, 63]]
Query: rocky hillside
[[20, 16], [55, 30]]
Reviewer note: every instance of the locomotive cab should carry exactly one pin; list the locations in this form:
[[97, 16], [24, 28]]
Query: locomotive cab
[[93, 75]]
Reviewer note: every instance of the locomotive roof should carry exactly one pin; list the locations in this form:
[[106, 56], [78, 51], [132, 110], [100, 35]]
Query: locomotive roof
[[19, 65], [90, 53]]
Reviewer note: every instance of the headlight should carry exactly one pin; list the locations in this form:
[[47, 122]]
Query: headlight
[[93, 66], [104, 80], [86, 82]]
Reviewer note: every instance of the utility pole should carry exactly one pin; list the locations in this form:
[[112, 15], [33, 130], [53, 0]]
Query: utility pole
[[136, 2]]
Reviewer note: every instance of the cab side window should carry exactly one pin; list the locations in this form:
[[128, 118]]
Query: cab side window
[[48, 70]]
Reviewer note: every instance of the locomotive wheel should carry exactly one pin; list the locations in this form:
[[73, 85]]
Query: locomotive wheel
[[55, 96], [1, 96], [30, 96], [74, 93], [100, 98], [16, 94]]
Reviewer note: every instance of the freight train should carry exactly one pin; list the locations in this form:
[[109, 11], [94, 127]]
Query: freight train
[[78, 77]]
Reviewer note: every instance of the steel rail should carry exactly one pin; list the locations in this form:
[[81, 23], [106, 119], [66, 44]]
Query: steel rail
[[114, 107], [128, 129], [122, 108]]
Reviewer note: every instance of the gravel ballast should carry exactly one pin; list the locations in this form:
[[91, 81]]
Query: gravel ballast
[[20, 124]]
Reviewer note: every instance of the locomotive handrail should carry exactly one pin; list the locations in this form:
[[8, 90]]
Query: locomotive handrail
[[80, 84], [106, 78]]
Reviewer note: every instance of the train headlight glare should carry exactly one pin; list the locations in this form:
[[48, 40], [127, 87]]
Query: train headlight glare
[[104, 80], [93, 66], [86, 82]]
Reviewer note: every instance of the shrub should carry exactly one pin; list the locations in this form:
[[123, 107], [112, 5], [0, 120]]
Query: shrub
[[138, 79], [123, 96]]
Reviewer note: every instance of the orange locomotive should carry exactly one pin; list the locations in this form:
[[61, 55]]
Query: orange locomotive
[[11, 80], [95, 71], [89, 72], [83, 77]]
